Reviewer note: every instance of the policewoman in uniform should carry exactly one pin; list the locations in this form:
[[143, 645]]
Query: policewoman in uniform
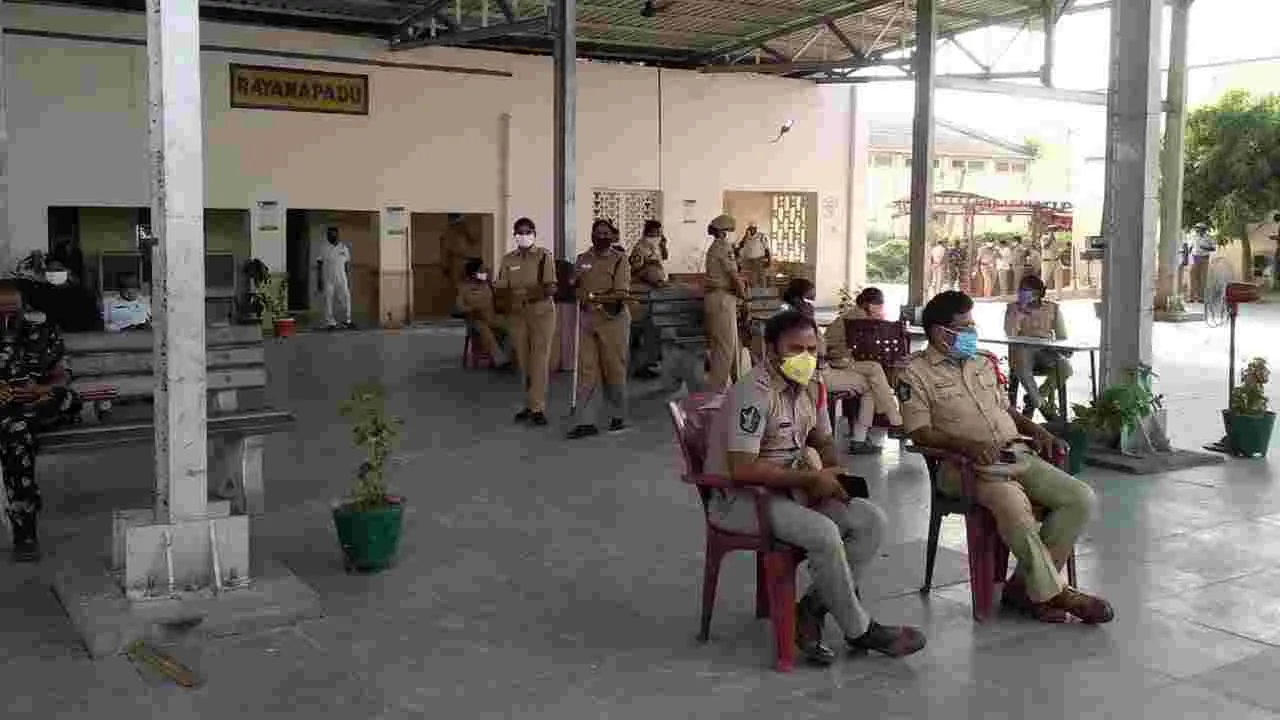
[[952, 400], [772, 431], [604, 332], [527, 277], [646, 260], [475, 302], [1031, 315], [723, 289]]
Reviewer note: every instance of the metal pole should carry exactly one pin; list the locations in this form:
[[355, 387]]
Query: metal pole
[[922, 149], [566, 91], [1050, 15], [177, 218], [1171, 170]]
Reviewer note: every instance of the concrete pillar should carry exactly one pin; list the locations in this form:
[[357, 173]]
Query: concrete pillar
[[6, 233], [1171, 171], [922, 149], [177, 217], [1129, 210], [566, 104], [395, 281], [267, 233], [855, 272]]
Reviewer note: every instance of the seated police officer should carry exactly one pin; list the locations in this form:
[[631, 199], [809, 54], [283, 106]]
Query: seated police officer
[[773, 432], [1031, 315], [952, 400]]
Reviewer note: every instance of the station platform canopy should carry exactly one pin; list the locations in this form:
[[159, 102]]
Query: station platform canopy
[[821, 40]]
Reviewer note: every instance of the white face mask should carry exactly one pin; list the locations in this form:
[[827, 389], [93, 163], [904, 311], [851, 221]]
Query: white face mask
[[524, 241], [56, 277], [731, 237], [482, 276]]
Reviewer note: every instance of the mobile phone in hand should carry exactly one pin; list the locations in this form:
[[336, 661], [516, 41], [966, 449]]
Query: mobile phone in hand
[[855, 486], [1008, 457]]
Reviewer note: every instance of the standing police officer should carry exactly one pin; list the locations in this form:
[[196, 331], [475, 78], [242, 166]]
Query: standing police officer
[[528, 277], [723, 289], [602, 275]]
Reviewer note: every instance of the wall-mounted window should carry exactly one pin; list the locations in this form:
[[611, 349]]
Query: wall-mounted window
[[957, 165], [1002, 167], [976, 166], [882, 160], [1018, 168], [937, 163]]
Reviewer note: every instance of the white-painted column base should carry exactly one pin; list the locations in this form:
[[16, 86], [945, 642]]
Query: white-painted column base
[[178, 560]]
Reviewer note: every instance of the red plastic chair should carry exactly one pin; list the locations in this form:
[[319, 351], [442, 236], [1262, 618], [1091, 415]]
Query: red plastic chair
[[988, 555], [776, 562], [472, 356]]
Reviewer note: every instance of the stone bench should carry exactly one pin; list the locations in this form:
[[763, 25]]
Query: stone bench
[[239, 417]]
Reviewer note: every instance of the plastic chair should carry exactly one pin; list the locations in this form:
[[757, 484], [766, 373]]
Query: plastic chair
[[988, 555], [472, 356], [776, 562]]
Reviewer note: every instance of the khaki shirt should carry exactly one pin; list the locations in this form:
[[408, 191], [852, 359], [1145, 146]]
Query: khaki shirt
[[1017, 257], [524, 273], [646, 263], [475, 298], [767, 416], [963, 400], [602, 272], [1037, 321], [986, 256], [722, 268], [753, 247], [836, 340]]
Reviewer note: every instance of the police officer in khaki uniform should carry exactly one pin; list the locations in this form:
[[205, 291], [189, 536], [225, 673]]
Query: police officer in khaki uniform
[[528, 278], [1030, 315], [772, 431], [604, 329], [1049, 262], [952, 400], [459, 246], [475, 302], [646, 260], [754, 256], [723, 289]]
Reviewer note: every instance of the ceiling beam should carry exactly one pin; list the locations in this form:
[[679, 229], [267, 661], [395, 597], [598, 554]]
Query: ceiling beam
[[844, 39], [1037, 92], [535, 26], [775, 54], [840, 10]]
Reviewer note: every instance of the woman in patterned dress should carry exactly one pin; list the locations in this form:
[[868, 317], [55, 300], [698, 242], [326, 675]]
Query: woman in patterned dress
[[33, 396]]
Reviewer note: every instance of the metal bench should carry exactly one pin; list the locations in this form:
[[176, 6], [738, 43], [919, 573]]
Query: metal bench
[[677, 311], [238, 415]]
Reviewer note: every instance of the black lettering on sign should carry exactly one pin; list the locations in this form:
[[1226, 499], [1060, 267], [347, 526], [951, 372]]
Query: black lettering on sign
[[342, 93], [242, 85], [291, 88]]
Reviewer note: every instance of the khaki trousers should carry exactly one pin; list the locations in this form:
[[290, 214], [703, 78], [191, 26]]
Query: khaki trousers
[[482, 324], [1041, 553], [757, 272], [840, 539], [532, 329], [988, 275], [603, 343], [721, 311], [866, 379], [1049, 273], [1023, 360]]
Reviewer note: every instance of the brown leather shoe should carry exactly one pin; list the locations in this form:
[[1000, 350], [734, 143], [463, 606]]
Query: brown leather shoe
[[1014, 597], [892, 640], [1089, 609]]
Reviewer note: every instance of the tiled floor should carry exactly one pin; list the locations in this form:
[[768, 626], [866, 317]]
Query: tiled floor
[[542, 579]]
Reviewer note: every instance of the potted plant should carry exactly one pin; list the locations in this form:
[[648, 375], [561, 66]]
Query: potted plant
[[275, 303], [1248, 419], [257, 275], [1120, 410], [368, 521]]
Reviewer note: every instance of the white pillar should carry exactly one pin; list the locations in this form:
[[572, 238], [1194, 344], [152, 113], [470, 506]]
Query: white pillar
[[1129, 212], [177, 217]]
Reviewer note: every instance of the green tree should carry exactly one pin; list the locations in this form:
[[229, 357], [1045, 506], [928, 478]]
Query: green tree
[[1232, 164], [887, 260]]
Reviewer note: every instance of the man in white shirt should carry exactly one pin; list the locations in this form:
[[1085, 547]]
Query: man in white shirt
[[334, 268], [126, 309], [1202, 246]]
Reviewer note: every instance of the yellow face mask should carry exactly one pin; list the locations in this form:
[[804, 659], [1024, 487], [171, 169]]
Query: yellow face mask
[[799, 368]]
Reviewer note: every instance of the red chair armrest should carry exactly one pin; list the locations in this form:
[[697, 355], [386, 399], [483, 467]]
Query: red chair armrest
[[710, 481], [947, 457], [759, 494]]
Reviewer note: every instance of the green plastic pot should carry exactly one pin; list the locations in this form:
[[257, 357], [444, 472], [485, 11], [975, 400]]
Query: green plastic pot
[[369, 538], [1248, 435], [1077, 437]]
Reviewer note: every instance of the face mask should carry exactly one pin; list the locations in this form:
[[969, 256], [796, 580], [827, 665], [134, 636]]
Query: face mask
[[600, 243], [56, 277], [524, 241], [731, 237], [482, 276], [799, 369], [964, 344]]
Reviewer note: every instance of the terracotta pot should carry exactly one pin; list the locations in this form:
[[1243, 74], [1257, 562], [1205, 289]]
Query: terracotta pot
[[284, 327]]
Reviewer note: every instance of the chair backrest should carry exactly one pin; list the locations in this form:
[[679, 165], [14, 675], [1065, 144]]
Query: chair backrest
[[882, 341], [691, 418]]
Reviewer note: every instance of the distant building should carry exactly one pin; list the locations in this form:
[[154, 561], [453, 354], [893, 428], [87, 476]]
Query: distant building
[[965, 160]]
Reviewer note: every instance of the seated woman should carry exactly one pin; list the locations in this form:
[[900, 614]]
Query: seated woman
[[33, 396], [864, 378], [1031, 315], [475, 302]]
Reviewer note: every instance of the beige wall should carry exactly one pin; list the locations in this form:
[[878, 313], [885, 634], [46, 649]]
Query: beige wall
[[432, 141]]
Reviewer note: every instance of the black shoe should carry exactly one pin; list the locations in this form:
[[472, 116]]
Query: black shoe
[[809, 620], [892, 640], [348, 326], [583, 431], [524, 415], [618, 425], [26, 543], [537, 418]]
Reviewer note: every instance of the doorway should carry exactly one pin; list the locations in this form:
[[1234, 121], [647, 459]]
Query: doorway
[[297, 259], [789, 221], [434, 294]]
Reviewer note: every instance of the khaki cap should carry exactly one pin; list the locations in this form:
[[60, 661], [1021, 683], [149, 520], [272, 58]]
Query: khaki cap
[[724, 222]]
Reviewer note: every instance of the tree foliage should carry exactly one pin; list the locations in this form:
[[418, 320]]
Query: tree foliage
[[1232, 164]]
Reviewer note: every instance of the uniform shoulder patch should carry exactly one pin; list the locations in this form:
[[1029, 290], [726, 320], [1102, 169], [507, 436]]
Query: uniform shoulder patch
[[749, 419]]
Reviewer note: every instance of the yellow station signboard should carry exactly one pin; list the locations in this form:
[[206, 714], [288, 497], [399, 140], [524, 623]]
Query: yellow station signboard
[[268, 88]]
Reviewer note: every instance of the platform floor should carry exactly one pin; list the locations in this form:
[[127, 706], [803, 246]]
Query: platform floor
[[539, 579]]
